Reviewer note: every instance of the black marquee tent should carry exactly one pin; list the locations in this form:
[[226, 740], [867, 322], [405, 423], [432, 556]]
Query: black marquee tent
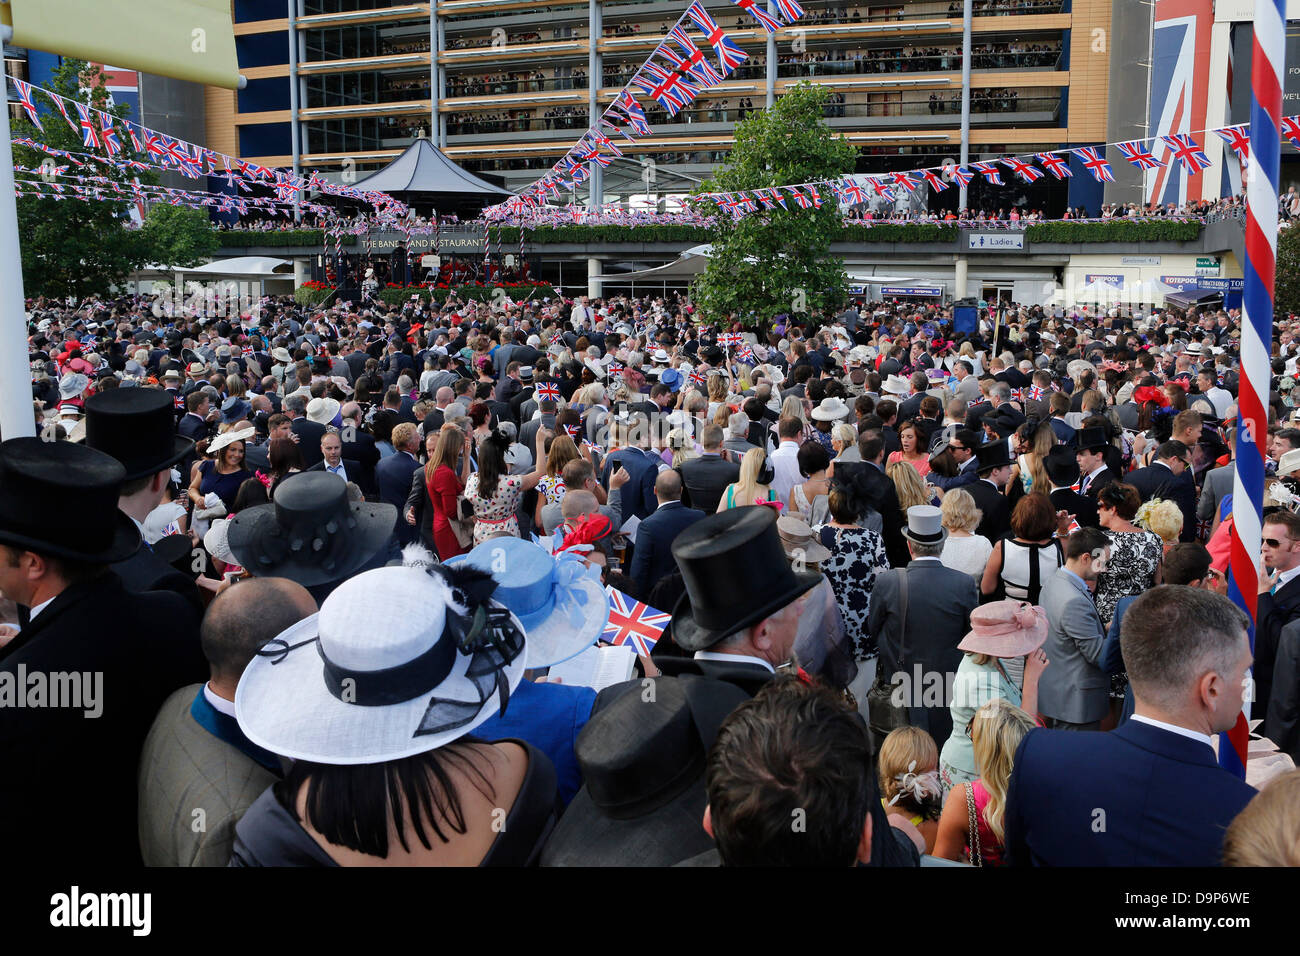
[[425, 179]]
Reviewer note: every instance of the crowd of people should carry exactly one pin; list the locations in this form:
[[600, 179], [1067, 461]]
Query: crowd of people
[[336, 569]]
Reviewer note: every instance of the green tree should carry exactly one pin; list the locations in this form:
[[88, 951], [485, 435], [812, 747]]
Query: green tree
[[778, 261], [178, 236], [1286, 292], [71, 247]]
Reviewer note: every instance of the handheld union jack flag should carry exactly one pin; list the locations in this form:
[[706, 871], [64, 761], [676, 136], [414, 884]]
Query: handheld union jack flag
[[1187, 151], [1235, 137], [698, 378], [1058, 166], [933, 181], [961, 174], [634, 623], [729, 340], [615, 369], [991, 173], [694, 61], [89, 131], [730, 56], [1291, 129], [745, 354], [25, 101], [1095, 163], [1036, 393], [1137, 153], [548, 392], [770, 25], [1026, 171]]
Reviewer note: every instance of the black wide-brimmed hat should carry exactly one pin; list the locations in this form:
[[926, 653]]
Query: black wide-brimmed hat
[[137, 426], [310, 533], [1089, 439], [992, 454], [60, 499], [643, 761], [1062, 466], [736, 573]]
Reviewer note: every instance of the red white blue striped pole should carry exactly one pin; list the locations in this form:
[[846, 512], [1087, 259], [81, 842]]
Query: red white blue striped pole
[[1267, 68]]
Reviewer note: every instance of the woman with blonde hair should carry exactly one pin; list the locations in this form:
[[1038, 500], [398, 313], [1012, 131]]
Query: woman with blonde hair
[[995, 732], [717, 387], [748, 489], [550, 488], [964, 550], [792, 407], [908, 766], [1267, 832], [910, 487], [844, 439], [682, 445], [1030, 468]]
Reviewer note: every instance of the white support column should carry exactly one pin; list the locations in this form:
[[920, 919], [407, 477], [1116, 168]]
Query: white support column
[[959, 278], [594, 284]]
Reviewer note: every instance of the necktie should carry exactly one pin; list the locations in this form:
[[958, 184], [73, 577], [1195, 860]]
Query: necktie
[[1083, 485]]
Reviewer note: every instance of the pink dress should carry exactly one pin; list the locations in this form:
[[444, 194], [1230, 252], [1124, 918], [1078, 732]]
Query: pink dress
[[990, 849], [922, 467]]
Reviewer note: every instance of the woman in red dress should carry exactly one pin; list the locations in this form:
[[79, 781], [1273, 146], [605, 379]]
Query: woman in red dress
[[442, 487]]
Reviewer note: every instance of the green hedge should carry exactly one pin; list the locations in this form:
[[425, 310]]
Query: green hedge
[[1118, 231], [305, 296], [294, 237], [900, 232]]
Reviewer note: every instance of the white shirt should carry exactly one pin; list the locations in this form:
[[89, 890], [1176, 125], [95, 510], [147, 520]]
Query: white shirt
[[785, 469], [219, 704], [31, 615], [336, 469], [1088, 478], [1175, 729], [733, 659], [1285, 577]]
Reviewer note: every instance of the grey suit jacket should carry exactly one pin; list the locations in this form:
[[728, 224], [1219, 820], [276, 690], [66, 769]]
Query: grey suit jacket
[[553, 517], [968, 389], [1217, 484], [183, 770], [1072, 688]]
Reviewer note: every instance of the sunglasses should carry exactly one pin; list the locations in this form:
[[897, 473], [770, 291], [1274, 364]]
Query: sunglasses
[[1275, 543]]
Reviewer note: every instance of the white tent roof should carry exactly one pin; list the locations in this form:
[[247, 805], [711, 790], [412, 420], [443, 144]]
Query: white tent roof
[[242, 267]]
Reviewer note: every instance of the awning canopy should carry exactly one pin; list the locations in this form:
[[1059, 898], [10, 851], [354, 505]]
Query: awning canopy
[[423, 168], [241, 267]]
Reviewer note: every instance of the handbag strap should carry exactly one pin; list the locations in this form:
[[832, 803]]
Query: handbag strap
[[902, 602], [974, 854]]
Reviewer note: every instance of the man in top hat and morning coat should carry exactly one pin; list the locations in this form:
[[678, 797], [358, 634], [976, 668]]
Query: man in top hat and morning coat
[[92, 665]]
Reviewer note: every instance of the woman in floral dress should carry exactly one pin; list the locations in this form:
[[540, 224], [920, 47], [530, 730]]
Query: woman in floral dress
[[857, 556], [496, 512]]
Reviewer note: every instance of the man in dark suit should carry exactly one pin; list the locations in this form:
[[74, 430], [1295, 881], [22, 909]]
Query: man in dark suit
[[1170, 477], [1278, 602], [1063, 472], [359, 446], [195, 424], [134, 425], [332, 460], [309, 432], [109, 655], [1090, 446], [639, 491], [393, 478], [652, 558], [994, 468], [910, 407], [707, 477], [919, 614], [1059, 406], [1153, 793]]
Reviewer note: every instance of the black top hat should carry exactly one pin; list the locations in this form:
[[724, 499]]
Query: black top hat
[[736, 573], [1062, 466], [176, 550], [60, 499], [992, 454], [643, 770], [137, 426], [1090, 438], [310, 533]]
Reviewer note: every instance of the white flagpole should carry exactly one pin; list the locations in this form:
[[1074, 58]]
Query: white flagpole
[[16, 418]]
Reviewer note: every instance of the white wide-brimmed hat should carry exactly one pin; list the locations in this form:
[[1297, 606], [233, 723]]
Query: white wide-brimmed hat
[[234, 435], [559, 599], [72, 385], [322, 410], [896, 385], [831, 409], [356, 683]]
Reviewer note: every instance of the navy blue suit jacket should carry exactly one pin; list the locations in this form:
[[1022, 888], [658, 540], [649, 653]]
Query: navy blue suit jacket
[[393, 476], [1158, 481], [1137, 796], [639, 492], [1112, 659], [652, 558]]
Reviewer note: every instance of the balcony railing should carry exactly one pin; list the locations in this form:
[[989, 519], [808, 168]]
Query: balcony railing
[[511, 84]]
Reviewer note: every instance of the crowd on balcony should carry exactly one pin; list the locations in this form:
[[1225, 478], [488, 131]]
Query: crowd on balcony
[[515, 81], [923, 59], [524, 36], [413, 88], [517, 121], [413, 45]]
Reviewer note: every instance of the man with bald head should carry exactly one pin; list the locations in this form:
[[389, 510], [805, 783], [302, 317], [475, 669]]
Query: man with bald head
[[652, 558], [198, 772], [436, 418], [359, 446]]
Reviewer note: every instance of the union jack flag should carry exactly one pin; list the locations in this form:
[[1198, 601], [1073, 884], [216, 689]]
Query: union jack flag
[[851, 192], [1026, 171], [770, 25], [904, 180], [25, 101], [1095, 164], [978, 401], [179, 403], [815, 197], [634, 623], [136, 143], [547, 392], [698, 378], [790, 10], [763, 197], [1058, 166], [934, 182], [961, 174], [729, 339], [58, 104], [803, 201], [89, 131], [672, 91], [694, 62], [1291, 129], [1187, 152], [109, 135], [745, 354], [1136, 153], [990, 172], [1235, 137], [776, 194], [1036, 393], [573, 431], [615, 369], [881, 189], [730, 56]]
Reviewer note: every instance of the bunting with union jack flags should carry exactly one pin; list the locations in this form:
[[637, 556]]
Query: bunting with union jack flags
[[1136, 152], [1058, 166], [730, 56], [1187, 151], [1095, 163]]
